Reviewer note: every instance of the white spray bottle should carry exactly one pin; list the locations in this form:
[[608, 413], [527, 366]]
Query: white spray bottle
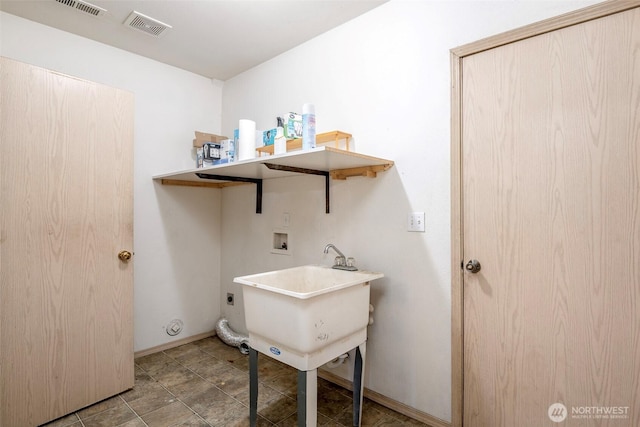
[[308, 126]]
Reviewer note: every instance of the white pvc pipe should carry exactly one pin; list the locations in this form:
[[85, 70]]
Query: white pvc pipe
[[337, 361]]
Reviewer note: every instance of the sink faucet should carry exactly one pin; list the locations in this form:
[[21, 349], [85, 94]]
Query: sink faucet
[[332, 246], [341, 262]]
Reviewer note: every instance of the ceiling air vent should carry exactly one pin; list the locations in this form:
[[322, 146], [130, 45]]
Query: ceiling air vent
[[83, 6], [145, 24]]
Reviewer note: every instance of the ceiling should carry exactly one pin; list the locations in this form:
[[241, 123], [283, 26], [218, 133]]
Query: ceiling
[[214, 38]]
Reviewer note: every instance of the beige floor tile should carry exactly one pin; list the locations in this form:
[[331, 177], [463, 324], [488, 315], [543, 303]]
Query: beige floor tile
[[210, 367], [169, 415], [241, 363], [223, 352], [186, 353], [136, 422], [100, 407], [216, 407], [292, 421], [191, 387], [370, 417], [286, 382], [243, 421], [151, 401], [233, 382], [115, 416], [206, 384], [268, 370], [206, 342], [279, 409], [266, 394], [69, 420], [173, 376], [332, 403], [156, 362], [144, 385], [192, 421]]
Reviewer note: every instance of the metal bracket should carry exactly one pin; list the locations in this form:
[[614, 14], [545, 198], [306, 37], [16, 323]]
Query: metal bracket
[[256, 181], [308, 172]]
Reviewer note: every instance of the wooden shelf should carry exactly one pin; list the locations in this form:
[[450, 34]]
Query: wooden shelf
[[339, 163], [325, 161], [322, 138]]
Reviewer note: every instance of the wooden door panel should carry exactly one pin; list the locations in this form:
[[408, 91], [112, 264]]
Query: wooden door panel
[[66, 195], [551, 208]]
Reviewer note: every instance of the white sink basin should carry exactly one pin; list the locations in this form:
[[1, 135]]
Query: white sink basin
[[306, 316]]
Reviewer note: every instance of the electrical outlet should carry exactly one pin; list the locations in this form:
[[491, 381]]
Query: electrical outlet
[[230, 299], [415, 221]]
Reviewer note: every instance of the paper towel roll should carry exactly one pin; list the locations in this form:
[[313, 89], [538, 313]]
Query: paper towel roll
[[246, 139]]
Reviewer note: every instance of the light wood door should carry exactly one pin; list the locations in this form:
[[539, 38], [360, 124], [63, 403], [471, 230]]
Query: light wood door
[[66, 332], [551, 209]]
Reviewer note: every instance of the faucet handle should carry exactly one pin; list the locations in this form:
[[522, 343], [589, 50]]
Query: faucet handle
[[351, 262], [339, 261]]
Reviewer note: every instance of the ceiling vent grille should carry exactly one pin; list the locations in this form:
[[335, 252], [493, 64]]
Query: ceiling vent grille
[[145, 24], [83, 6]]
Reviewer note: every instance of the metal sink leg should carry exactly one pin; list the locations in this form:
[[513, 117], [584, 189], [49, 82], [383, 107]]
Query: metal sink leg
[[307, 398], [358, 383], [253, 387]]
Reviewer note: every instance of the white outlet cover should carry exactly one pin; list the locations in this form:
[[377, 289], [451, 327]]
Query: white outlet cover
[[415, 222]]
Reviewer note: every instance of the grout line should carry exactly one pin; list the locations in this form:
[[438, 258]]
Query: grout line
[[176, 397], [133, 410], [236, 369], [341, 390], [213, 384], [221, 390]]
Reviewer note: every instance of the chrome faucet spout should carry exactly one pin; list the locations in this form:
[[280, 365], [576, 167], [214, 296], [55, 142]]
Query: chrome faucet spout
[[341, 262], [332, 246]]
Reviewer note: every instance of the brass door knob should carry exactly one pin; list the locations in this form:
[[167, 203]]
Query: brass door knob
[[124, 256]]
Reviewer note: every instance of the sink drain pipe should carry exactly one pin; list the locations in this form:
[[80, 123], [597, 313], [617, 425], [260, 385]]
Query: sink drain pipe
[[337, 361], [229, 337]]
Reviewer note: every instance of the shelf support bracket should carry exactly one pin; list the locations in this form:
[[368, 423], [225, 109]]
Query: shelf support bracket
[[308, 172], [256, 181]]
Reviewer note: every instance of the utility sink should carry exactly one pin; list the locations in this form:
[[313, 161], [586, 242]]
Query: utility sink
[[306, 316]]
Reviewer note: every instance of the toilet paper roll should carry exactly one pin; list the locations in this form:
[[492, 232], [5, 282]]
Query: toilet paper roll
[[246, 139]]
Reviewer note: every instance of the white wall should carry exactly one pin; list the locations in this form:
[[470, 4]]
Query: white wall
[[385, 78], [176, 229]]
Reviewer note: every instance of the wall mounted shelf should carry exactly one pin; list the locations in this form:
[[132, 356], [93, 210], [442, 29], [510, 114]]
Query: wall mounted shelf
[[325, 161]]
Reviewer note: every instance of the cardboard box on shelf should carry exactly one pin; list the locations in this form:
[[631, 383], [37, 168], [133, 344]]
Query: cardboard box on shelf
[[202, 138], [268, 137], [293, 125]]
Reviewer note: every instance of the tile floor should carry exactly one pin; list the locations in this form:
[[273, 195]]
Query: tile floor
[[206, 383]]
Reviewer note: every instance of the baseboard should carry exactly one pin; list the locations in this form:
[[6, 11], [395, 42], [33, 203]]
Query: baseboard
[[410, 412], [173, 344]]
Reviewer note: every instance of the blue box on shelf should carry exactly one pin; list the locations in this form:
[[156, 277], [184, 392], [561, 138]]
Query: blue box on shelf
[[269, 136]]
